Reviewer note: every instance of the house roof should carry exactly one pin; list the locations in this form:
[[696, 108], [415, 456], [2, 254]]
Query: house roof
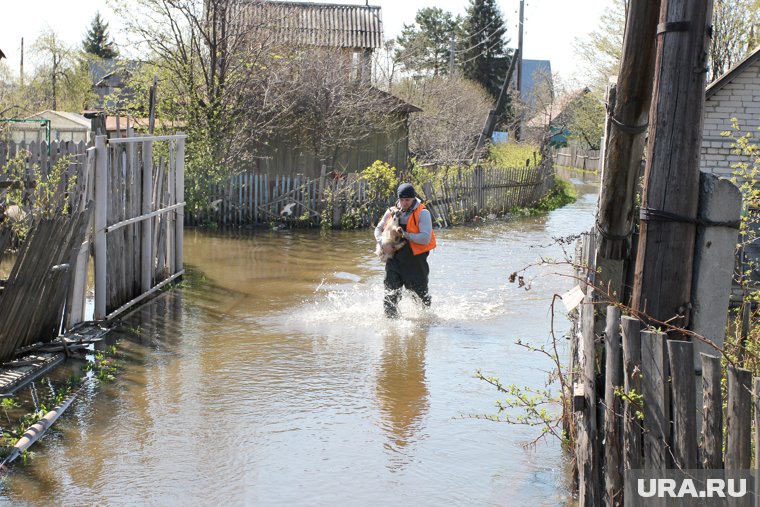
[[544, 118], [325, 25], [734, 71], [398, 104], [59, 119]]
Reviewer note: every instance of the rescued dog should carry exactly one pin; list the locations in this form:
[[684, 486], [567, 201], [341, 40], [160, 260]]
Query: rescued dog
[[393, 234]]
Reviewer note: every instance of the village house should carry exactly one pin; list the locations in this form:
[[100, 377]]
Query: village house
[[736, 94], [356, 31]]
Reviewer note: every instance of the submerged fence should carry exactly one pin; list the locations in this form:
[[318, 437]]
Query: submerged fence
[[589, 160], [456, 196]]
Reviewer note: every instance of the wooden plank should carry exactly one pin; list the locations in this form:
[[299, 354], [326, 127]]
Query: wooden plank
[[613, 380], [587, 450], [656, 392], [146, 227], [632, 436], [681, 358], [738, 419], [711, 457], [101, 196], [179, 181]]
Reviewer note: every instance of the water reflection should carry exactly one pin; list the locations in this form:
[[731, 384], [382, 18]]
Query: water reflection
[[272, 377], [402, 393]]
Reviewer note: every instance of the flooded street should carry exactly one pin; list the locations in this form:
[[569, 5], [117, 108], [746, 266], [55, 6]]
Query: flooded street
[[271, 377]]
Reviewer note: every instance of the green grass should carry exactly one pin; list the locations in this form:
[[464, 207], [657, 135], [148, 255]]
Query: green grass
[[513, 154], [563, 193]]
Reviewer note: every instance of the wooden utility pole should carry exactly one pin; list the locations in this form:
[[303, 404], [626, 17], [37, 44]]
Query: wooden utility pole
[[628, 118], [663, 275], [518, 55], [22, 62], [628, 112]]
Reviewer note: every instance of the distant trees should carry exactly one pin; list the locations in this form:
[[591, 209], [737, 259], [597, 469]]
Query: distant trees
[[584, 118], [59, 81], [97, 40], [425, 46], [485, 55], [323, 109], [736, 32]]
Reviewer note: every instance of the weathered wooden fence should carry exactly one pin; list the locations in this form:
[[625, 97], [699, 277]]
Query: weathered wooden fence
[[126, 195], [463, 196], [638, 404], [138, 224], [41, 295], [575, 157], [459, 195]]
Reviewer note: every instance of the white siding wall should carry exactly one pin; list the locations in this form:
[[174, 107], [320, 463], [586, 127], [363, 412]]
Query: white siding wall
[[738, 99]]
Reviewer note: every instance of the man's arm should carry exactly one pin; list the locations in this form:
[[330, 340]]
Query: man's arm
[[426, 229]]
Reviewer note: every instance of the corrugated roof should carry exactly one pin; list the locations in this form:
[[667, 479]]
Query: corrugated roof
[[324, 25]]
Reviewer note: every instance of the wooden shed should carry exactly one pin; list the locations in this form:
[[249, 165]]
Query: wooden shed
[[356, 31], [62, 125]]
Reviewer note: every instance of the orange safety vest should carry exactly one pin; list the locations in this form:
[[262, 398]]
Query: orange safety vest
[[413, 225]]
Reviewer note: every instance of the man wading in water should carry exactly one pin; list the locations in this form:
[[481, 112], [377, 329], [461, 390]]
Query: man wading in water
[[408, 267]]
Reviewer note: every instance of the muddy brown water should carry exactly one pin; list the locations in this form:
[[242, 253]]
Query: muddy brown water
[[271, 378]]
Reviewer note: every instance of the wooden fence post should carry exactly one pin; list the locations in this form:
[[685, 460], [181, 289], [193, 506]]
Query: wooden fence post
[[101, 196], [656, 392], [613, 379], [179, 182], [738, 419], [86, 182], [680, 355], [712, 419], [146, 243], [632, 366]]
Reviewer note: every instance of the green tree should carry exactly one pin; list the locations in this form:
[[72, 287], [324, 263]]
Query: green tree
[[736, 24], [602, 48], [206, 73], [584, 117], [425, 46], [485, 54], [97, 42], [61, 80], [453, 111]]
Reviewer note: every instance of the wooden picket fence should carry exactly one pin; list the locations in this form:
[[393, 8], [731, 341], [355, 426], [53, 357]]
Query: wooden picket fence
[[682, 425], [458, 196], [589, 160]]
